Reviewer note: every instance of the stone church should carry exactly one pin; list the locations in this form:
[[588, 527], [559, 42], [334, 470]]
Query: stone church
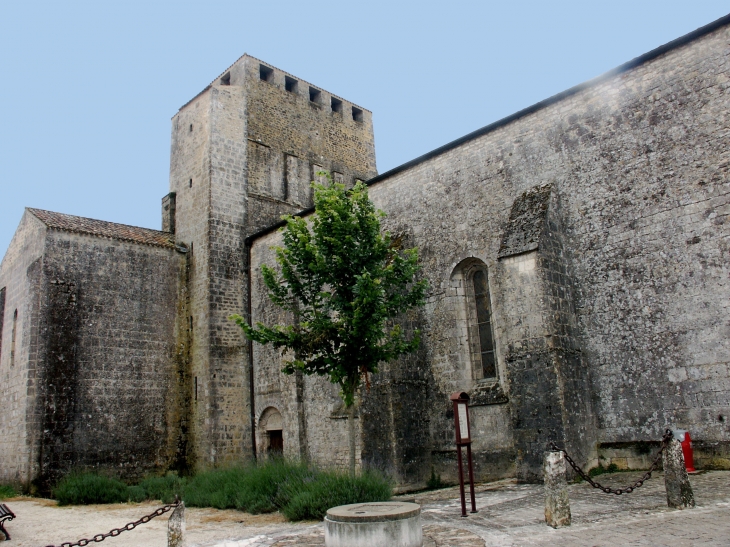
[[577, 254]]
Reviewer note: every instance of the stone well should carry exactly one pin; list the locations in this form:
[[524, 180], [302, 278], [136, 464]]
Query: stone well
[[378, 524]]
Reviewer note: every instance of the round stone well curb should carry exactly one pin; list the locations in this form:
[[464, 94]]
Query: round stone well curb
[[377, 524]]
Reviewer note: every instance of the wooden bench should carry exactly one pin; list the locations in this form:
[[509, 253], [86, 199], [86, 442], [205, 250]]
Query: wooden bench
[[5, 514]]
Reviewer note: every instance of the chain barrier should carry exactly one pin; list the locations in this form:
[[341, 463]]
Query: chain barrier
[[116, 531], [618, 491]]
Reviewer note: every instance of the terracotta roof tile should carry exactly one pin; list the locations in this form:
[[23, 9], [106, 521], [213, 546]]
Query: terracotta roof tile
[[101, 228]]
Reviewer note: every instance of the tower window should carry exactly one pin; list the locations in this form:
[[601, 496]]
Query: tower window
[[266, 73], [290, 84], [226, 79], [356, 114], [315, 95], [336, 105], [190, 184], [191, 128]]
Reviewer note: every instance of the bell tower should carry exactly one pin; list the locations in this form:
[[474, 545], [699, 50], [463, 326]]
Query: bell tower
[[244, 152]]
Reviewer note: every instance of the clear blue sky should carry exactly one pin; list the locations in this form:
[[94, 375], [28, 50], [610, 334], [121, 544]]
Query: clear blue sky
[[88, 88]]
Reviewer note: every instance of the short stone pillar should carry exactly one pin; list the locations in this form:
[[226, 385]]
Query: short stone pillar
[[378, 524], [557, 503], [176, 527], [676, 479]]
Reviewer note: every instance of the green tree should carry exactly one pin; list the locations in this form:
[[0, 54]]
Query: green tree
[[344, 284]]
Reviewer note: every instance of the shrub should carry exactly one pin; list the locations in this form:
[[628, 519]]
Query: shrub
[[298, 491], [137, 494], [7, 491], [88, 488], [311, 499], [252, 488], [163, 488]]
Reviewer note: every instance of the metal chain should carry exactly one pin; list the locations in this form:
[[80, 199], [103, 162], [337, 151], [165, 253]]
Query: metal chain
[[116, 531], [618, 491]]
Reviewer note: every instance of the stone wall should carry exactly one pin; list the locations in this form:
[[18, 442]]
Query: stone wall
[[615, 325], [190, 166], [19, 283], [107, 381]]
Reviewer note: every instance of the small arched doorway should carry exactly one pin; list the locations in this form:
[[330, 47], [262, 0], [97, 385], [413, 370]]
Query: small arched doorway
[[272, 431]]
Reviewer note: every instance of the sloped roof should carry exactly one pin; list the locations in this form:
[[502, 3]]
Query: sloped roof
[[101, 228]]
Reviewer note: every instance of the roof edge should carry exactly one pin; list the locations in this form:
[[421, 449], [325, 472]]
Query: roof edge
[[52, 226], [633, 63]]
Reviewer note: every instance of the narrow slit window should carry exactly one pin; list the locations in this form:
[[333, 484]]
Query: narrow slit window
[[336, 105], [356, 114], [315, 95], [190, 183], [196, 388], [290, 84], [266, 73], [484, 324], [191, 128], [2, 318], [12, 339]]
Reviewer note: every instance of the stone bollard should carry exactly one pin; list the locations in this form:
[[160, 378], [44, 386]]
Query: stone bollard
[[557, 503], [676, 479], [176, 527]]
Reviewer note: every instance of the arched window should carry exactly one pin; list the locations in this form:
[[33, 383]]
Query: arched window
[[470, 282], [483, 338]]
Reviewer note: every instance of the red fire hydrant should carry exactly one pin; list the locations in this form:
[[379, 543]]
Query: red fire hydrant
[[684, 438]]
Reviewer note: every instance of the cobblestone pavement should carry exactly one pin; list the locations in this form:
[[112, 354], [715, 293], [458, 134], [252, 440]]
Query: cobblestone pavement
[[511, 515]]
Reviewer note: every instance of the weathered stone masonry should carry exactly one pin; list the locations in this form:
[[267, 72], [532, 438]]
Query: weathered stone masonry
[[95, 370], [244, 152], [610, 303], [596, 223]]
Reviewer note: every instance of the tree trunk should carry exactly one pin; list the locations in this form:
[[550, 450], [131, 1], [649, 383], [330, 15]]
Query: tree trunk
[[351, 431]]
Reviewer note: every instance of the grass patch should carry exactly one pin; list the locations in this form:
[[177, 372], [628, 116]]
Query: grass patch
[[300, 492], [7, 491], [600, 470], [434, 482], [88, 488]]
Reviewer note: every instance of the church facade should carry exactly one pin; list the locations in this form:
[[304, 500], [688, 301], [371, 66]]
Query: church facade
[[576, 254]]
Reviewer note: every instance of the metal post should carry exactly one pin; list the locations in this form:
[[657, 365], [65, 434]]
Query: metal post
[[461, 481], [471, 479]]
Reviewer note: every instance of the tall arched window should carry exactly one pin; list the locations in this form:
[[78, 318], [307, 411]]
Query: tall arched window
[[470, 285], [484, 346]]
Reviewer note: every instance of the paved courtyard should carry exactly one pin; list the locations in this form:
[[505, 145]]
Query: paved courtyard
[[510, 514], [513, 515]]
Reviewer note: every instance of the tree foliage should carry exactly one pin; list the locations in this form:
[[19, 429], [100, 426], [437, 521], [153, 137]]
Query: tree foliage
[[343, 282]]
